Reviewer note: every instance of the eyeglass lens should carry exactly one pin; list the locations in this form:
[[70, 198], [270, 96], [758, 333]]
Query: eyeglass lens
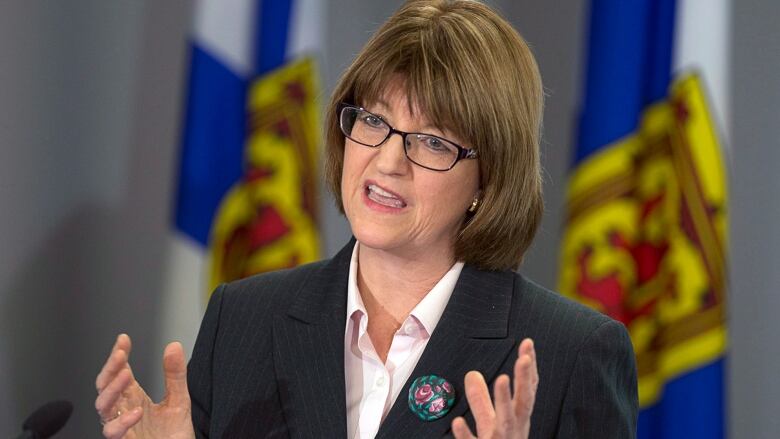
[[423, 149]]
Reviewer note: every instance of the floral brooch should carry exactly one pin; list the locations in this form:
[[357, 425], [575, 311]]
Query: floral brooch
[[431, 397]]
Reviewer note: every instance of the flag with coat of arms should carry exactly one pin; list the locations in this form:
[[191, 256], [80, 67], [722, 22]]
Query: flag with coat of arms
[[246, 198], [647, 202]]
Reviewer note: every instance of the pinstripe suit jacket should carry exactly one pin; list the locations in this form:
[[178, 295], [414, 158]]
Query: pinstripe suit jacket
[[269, 358]]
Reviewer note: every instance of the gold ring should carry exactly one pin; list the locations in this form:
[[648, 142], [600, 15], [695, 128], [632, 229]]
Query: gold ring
[[106, 421]]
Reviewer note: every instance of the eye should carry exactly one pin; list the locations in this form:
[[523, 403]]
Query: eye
[[372, 121], [434, 143]]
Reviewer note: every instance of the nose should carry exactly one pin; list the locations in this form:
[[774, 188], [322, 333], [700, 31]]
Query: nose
[[391, 157]]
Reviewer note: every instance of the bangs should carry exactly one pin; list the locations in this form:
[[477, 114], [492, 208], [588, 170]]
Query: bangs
[[431, 83]]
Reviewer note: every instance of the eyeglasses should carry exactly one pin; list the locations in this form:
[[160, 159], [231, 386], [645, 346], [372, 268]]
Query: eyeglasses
[[425, 150]]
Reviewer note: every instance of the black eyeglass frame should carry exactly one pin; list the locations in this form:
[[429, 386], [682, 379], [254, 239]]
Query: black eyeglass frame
[[463, 153]]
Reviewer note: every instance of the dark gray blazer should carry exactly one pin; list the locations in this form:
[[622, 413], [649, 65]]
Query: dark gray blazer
[[269, 358]]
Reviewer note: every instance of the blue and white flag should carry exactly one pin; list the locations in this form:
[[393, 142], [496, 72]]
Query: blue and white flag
[[646, 228], [247, 175]]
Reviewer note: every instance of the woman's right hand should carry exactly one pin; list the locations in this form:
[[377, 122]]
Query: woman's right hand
[[127, 412]]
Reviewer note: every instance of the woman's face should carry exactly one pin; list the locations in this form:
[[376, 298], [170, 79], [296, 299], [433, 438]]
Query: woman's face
[[395, 205]]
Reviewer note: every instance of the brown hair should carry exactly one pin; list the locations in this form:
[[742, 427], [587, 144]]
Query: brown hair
[[471, 73]]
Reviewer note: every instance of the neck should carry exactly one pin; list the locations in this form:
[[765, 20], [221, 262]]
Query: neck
[[391, 285], [394, 284]]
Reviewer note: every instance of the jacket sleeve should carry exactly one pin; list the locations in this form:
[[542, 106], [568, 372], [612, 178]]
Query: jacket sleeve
[[601, 399], [199, 369]]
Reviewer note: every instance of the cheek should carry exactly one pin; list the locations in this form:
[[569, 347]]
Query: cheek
[[347, 168], [452, 207], [459, 188], [444, 201], [456, 193], [351, 171]]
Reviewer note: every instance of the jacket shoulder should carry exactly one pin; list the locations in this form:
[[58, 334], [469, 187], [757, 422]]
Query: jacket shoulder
[[561, 327], [273, 289], [580, 351], [555, 311]]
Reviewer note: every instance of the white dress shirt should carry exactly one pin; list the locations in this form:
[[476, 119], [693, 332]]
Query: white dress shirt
[[372, 387]]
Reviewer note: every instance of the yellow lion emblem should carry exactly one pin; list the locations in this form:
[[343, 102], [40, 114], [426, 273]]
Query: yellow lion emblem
[[268, 219]]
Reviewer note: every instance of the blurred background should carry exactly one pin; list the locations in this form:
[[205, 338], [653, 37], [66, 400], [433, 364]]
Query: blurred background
[[93, 98]]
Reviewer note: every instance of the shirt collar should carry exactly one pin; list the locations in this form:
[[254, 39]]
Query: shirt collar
[[428, 312], [354, 301]]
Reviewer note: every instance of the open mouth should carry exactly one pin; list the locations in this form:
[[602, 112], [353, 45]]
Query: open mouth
[[384, 197]]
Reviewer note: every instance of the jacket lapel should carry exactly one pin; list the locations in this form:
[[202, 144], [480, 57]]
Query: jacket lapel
[[309, 352], [471, 335]]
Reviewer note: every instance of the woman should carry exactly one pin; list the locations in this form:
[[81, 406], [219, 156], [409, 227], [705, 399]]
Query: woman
[[432, 138]]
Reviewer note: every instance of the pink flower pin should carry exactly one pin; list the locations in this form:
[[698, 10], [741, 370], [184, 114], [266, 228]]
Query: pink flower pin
[[431, 397], [423, 394], [437, 405]]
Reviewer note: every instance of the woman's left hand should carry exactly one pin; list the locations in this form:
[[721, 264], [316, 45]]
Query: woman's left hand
[[510, 416]]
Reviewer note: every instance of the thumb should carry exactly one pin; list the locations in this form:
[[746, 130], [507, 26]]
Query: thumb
[[175, 369]]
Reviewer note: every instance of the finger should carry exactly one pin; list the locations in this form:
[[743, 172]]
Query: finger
[[505, 415], [526, 382], [527, 348], [461, 430], [478, 398], [534, 367], [175, 368], [117, 361], [106, 401], [530, 350], [117, 428]]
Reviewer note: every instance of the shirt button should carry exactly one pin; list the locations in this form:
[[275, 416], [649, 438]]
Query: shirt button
[[409, 329], [380, 381]]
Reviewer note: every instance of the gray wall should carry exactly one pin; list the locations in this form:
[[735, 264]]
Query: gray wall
[[90, 101], [755, 212]]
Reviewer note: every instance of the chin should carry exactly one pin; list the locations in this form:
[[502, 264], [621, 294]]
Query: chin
[[375, 238], [381, 236]]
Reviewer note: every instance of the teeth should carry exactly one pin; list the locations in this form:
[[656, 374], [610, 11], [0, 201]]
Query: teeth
[[380, 191], [383, 197]]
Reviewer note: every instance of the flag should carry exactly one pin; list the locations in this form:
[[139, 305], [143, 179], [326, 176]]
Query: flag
[[247, 180], [645, 234]]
